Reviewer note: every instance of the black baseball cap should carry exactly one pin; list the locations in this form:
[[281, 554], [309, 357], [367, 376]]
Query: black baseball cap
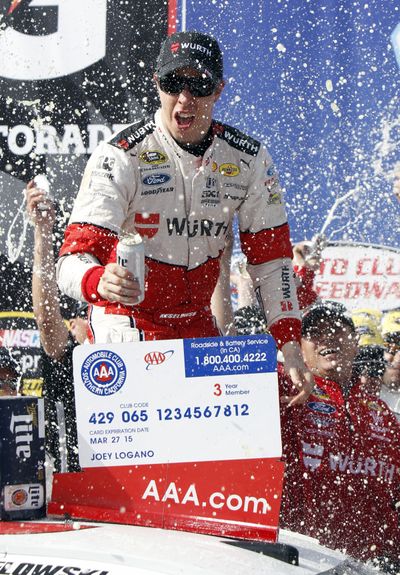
[[191, 50], [370, 360], [325, 313]]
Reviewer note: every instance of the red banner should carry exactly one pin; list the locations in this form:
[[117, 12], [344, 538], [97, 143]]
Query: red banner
[[360, 276], [227, 498]]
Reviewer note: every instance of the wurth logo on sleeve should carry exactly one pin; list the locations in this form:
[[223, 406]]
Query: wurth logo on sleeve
[[286, 285]]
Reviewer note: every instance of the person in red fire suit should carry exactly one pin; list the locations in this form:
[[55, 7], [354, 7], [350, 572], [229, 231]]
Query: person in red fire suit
[[342, 448], [178, 179]]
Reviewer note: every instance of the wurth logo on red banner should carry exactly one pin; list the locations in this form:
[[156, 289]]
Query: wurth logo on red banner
[[154, 358], [147, 225]]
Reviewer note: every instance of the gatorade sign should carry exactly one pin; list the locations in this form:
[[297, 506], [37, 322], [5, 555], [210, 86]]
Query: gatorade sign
[[73, 39]]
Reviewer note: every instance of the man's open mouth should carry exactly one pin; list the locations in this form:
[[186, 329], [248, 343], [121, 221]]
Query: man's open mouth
[[184, 120], [329, 351]]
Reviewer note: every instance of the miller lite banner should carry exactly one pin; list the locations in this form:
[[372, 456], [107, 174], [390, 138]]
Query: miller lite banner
[[22, 458], [360, 276]]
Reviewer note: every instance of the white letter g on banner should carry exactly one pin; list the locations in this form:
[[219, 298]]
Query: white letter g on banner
[[79, 42]]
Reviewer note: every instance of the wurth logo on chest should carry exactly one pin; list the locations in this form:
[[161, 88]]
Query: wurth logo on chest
[[192, 228], [286, 306], [312, 455], [368, 466], [147, 225]]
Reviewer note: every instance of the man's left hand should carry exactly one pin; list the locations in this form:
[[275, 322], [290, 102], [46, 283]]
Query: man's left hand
[[298, 372]]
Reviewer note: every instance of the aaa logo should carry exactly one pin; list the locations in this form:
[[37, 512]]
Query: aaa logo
[[154, 358], [103, 372]]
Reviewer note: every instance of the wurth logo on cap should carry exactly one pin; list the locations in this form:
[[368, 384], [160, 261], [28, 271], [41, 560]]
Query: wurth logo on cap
[[176, 46]]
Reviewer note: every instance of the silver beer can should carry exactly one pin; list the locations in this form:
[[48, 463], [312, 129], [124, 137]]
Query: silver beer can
[[42, 183], [130, 255]]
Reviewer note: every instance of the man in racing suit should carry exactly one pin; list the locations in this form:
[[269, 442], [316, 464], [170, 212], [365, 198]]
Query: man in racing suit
[[342, 449], [178, 179]]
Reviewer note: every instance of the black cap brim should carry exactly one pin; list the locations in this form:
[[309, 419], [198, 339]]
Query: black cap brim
[[179, 63]]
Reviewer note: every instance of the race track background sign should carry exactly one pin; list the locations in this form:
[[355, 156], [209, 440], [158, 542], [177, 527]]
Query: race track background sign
[[360, 276], [177, 401]]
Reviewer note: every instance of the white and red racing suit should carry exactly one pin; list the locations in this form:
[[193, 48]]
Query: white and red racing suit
[[182, 206], [342, 477]]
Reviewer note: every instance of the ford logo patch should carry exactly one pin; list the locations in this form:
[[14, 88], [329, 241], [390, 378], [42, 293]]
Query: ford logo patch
[[320, 407], [156, 179]]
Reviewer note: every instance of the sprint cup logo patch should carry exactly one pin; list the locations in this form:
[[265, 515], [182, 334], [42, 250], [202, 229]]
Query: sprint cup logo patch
[[103, 372]]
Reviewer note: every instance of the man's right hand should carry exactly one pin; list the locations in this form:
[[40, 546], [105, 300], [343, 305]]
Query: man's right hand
[[41, 218], [118, 285]]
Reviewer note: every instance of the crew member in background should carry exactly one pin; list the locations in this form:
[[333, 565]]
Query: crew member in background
[[369, 366], [369, 363], [342, 449], [390, 390], [178, 179], [57, 340], [10, 373]]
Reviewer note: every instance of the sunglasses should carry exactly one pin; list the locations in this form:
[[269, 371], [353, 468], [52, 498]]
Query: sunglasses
[[197, 86]]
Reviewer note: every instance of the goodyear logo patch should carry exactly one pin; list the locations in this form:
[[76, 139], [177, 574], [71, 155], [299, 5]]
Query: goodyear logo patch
[[103, 372]]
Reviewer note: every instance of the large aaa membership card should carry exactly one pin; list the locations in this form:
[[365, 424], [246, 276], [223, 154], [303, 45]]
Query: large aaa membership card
[[177, 401]]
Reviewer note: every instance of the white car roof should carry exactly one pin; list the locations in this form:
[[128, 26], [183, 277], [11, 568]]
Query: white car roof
[[110, 549]]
